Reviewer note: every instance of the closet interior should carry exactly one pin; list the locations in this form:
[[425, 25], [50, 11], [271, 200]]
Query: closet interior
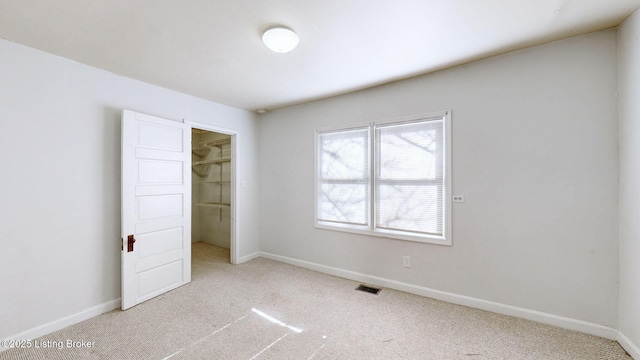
[[211, 188]]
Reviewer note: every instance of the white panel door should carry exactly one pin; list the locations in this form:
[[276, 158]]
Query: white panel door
[[156, 206]]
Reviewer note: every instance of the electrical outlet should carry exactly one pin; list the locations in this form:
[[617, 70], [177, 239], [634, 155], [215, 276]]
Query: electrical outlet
[[458, 198], [406, 261]]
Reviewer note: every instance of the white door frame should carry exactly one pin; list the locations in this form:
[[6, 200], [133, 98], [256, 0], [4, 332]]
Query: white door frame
[[233, 211]]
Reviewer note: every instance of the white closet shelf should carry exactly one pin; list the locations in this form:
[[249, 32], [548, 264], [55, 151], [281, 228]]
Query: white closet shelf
[[201, 152], [213, 182], [217, 143], [213, 204], [214, 161]]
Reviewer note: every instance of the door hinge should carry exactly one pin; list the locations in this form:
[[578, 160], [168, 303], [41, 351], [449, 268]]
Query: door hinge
[[121, 244]]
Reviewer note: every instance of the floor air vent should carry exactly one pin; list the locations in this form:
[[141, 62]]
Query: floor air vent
[[368, 289]]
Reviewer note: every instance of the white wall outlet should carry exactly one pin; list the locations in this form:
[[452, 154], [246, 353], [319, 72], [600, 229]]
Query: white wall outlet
[[458, 198], [406, 261]]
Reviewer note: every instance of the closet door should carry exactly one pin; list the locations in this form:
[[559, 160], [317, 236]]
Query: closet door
[[156, 206]]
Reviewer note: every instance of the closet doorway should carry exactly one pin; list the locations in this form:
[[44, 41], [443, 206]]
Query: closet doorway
[[213, 189], [166, 169]]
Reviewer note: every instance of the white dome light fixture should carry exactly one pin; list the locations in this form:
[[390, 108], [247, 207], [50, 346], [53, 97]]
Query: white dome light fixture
[[280, 39]]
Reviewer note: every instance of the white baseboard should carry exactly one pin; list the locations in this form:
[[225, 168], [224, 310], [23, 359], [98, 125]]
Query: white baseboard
[[628, 345], [537, 316], [62, 323], [248, 257]]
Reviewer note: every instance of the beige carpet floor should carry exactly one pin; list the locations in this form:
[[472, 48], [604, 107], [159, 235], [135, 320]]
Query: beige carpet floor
[[263, 309]]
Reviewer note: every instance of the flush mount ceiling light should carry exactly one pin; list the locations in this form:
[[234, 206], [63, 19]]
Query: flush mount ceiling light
[[280, 39]]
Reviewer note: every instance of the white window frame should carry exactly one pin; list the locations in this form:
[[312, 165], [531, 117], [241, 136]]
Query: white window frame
[[446, 238]]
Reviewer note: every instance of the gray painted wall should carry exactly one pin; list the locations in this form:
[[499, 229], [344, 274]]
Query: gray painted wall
[[629, 85], [60, 187], [535, 154]]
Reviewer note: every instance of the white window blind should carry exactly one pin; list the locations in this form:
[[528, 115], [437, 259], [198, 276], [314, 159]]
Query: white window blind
[[388, 179], [344, 177], [409, 177]]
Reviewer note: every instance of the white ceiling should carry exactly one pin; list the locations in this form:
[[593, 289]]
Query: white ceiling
[[212, 48]]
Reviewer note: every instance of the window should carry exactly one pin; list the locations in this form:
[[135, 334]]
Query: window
[[386, 179]]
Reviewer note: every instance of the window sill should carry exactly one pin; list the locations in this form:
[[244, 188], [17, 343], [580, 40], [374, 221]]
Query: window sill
[[437, 240]]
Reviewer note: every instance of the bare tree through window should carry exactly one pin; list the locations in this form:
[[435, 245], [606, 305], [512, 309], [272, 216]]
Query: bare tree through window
[[409, 180], [406, 193], [344, 177]]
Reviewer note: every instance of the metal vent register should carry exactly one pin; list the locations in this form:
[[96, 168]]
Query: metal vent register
[[368, 289]]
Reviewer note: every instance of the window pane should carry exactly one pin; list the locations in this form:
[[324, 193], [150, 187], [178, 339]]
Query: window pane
[[410, 177], [344, 155], [410, 151], [344, 186], [386, 179], [346, 203], [414, 208]]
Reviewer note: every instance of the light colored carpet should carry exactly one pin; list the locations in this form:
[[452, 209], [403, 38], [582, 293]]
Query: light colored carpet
[[256, 311]]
